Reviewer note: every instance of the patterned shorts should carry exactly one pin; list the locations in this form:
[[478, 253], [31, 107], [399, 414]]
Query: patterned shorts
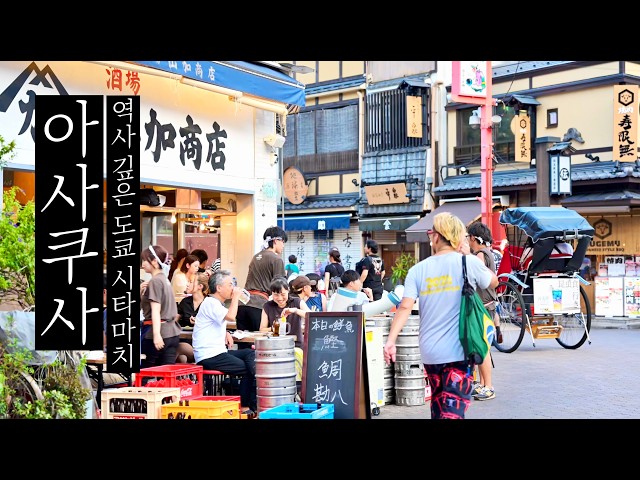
[[451, 386]]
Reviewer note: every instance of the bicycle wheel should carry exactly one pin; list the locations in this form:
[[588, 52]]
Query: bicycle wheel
[[511, 309], [26, 389], [575, 327]]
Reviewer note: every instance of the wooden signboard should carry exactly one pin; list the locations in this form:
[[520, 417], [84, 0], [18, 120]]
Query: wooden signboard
[[386, 194], [334, 366], [294, 185]]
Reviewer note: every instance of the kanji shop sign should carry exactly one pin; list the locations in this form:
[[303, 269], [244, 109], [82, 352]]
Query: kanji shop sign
[[625, 122], [386, 194], [294, 185]]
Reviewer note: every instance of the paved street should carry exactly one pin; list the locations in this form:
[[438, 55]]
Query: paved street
[[600, 380]]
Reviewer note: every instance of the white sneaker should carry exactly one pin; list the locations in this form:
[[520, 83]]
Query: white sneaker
[[485, 394]]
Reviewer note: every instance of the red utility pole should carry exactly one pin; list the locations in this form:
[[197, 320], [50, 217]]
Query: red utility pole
[[486, 164], [461, 78]]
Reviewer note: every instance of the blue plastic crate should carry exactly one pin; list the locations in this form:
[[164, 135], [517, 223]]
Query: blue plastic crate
[[291, 411]]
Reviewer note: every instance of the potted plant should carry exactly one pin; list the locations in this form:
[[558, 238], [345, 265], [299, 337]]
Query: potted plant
[[400, 269]]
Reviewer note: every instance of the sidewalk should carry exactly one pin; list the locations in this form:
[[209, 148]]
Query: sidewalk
[[596, 381]]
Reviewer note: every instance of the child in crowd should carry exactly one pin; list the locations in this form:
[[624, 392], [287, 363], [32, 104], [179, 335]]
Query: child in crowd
[[292, 267]]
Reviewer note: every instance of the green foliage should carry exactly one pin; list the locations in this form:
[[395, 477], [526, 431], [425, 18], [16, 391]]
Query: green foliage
[[55, 405], [7, 151], [64, 378], [400, 269], [64, 395], [17, 250]]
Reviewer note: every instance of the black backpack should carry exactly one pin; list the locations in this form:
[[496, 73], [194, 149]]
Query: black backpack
[[335, 281], [148, 196]]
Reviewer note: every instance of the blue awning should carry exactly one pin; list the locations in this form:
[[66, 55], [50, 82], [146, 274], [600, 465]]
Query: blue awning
[[316, 222], [246, 77]]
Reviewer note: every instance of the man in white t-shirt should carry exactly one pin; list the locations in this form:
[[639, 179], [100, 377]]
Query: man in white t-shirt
[[437, 284], [211, 339], [351, 281]]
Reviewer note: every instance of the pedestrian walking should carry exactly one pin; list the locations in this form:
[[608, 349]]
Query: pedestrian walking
[[480, 240], [371, 269], [436, 282]]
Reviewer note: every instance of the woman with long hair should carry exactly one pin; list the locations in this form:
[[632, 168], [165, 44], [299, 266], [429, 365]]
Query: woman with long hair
[[184, 280], [333, 271], [176, 262]]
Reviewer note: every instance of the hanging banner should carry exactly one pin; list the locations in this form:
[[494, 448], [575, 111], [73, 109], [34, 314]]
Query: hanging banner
[[469, 82], [522, 135], [625, 123], [69, 175], [559, 175], [414, 116]]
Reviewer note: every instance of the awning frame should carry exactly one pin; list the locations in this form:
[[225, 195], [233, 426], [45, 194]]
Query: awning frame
[[239, 76], [467, 211], [339, 221]]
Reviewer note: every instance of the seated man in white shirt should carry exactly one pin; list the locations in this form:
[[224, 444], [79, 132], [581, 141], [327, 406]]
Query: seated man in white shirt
[[343, 299]]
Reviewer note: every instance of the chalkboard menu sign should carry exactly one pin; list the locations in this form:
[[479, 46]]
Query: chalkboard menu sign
[[333, 363]]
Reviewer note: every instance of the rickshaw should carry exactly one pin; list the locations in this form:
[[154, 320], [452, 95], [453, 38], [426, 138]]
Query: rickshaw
[[540, 289]]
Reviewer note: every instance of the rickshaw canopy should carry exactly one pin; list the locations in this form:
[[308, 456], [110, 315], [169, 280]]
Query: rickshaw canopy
[[545, 222]]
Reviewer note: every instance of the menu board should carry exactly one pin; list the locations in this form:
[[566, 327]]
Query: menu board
[[632, 297], [334, 366], [615, 265], [556, 295], [609, 296]]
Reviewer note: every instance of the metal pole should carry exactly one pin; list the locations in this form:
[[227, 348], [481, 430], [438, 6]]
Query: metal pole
[[281, 186], [486, 152]]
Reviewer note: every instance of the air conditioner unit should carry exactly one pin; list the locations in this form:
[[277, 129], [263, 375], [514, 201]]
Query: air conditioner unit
[[274, 140]]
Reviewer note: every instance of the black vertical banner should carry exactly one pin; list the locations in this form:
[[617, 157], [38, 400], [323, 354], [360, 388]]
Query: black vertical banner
[[69, 158], [123, 238]]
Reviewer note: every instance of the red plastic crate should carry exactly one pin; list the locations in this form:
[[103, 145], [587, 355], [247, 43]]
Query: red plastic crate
[[187, 377]]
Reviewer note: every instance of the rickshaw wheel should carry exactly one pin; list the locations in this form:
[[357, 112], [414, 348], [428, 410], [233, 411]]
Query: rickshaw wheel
[[511, 309], [575, 327]]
